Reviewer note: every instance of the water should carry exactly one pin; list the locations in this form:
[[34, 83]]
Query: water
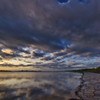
[[38, 85]]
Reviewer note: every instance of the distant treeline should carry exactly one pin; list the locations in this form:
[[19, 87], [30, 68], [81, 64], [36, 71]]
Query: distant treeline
[[18, 71], [30, 71]]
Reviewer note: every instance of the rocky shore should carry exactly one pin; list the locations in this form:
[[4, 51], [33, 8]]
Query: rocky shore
[[89, 88]]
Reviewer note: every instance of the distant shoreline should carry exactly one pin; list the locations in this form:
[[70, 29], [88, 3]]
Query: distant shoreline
[[32, 71], [93, 70]]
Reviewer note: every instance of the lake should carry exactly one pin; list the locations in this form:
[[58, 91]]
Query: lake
[[38, 85]]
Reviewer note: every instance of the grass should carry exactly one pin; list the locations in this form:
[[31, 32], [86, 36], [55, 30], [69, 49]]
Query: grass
[[94, 70]]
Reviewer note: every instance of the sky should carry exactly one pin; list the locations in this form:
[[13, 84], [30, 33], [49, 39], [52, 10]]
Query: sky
[[49, 34]]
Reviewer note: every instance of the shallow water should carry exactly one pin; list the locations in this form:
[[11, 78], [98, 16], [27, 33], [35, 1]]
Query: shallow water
[[38, 85]]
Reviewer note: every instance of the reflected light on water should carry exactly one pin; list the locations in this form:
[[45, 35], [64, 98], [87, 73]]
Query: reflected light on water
[[38, 85]]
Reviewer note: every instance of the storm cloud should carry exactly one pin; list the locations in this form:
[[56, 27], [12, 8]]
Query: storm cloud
[[50, 27]]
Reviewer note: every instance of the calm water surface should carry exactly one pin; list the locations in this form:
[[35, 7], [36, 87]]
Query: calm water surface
[[38, 85]]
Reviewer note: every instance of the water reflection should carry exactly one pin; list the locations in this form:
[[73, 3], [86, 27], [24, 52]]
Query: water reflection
[[38, 85]]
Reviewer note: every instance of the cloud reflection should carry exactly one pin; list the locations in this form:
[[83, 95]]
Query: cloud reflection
[[38, 86]]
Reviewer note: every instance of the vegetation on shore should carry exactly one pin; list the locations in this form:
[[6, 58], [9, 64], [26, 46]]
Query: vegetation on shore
[[94, 70]]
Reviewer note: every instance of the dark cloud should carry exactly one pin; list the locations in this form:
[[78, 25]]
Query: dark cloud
[[23, 51], [62, 1], [38, 54], [61, 27], [46, 58], [29, 27], [23, 26]]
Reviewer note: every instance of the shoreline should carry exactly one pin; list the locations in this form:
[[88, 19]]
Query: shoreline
[[89, 88], [92, 70]]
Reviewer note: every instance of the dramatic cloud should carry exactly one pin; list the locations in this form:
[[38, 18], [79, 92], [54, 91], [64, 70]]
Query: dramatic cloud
[[50, 30]]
